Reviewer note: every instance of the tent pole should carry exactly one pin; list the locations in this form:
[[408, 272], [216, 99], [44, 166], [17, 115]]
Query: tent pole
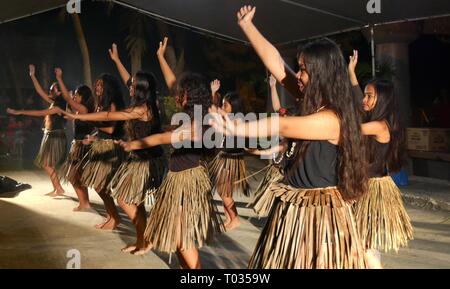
[[372, 50]]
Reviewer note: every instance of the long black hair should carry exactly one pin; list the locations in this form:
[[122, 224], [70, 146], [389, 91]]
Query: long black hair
[[87, 98], [235, 101], [145, 93], [329, 87], [111, 93], [197, 90], [386, 109]]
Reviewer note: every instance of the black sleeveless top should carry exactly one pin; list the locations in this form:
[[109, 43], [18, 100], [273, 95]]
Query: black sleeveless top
[[317, 169], [377, 166], [230, 145], [56, 121], [137, 129], [81, 129]]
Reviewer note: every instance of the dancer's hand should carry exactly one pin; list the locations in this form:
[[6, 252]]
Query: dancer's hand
[[221, 122], [69, 115], [32, 70], [162, 47], [58, 73], [353, 62], [113, 53], [12, 111], [88, 139], [272, 81], [245, 15], [215, 86], [124, 144]]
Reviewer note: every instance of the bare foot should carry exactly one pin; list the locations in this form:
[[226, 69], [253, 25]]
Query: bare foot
[[139, 251], [56, 194], [236, 222], [110, 225], [373, 259], [81, 208], [99, 226], [128, 248], [51, 193]]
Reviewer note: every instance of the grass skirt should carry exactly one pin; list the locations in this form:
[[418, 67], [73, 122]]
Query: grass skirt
[[53, 149], [184, 205], [308, 229], [100, 164], [264, 196], [70, 171], [136, 178], [228, 175], [381, 218]]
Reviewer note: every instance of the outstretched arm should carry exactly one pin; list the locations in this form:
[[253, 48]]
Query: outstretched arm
[[43, 112], [38, 86], [377, 129], [169, 76], [114, 54], [128, 114], [73, 104], [323, 125]]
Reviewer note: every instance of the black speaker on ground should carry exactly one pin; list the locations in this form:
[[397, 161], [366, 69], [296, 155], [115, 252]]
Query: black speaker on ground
[[10, 187]]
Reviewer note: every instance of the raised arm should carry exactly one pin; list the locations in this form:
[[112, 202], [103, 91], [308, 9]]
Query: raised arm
[[323, 125], [215, 86], [265, 50], [38, 113], [65, 93], [114, 54], [38, 86], [352, 68], [276, 105], [169, 76]]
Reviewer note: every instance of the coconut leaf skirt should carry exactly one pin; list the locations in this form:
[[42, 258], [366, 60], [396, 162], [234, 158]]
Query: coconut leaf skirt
[[308, 229], [381, 218], [53, 149], [264, 196], [184, 207], [136, 178], [100, 163], [70, 171], [228, 175]]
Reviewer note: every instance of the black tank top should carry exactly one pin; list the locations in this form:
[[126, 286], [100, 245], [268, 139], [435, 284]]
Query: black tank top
[[230, 145], [81, 129], [137, 129], [377, 166], [317, 168]]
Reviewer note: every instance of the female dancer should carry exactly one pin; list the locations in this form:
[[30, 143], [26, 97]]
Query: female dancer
[[311, 221], [53, 149], [82, 102], [228, 172], [381, 218], [184, 199], [104, 156], [143, 170]]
